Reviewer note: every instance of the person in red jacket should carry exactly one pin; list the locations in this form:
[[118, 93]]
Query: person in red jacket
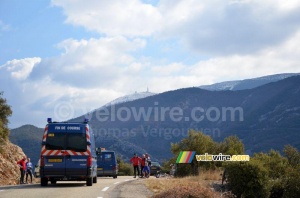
[[135, 162], [22, 165]]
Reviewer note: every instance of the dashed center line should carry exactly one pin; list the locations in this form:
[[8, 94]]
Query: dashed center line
[[105, 189], [116, 182]]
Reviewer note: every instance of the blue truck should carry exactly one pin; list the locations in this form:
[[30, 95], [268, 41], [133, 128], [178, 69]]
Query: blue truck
[[107, 163], [68, 153]]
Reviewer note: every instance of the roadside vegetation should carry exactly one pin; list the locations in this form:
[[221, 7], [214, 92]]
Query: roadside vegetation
[[5, 112], [124, 168], [181, 187], [266, 174]]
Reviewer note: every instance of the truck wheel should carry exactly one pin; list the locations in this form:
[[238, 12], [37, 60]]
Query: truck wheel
[[44, 181], [115, 177], [95, 179], [53, 181], [89, 181]]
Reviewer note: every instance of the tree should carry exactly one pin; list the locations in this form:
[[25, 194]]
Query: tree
[[275, 163], [5, 112], [195, 141], [292, 154], [292, 184], [201, 143], [232, 145]]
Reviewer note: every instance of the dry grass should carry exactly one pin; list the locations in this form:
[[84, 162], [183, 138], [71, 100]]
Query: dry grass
[[210, 175], [194, 186]]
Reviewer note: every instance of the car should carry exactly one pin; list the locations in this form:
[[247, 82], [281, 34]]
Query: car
[[68, 153], [37, 169], [155, 169], [107, 163]]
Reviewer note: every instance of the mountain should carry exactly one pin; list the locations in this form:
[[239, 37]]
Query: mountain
[[130, 97], [29, 138], [264, 117], [247, 83]]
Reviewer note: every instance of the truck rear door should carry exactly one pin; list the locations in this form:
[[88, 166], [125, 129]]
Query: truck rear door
[[76, 154], [100, 164], [53, 154], [108, 163], [65, 151]]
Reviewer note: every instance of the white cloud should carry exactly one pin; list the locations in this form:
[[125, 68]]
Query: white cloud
[[117, 17], [283, 58], [90, 63], [53, 82], [243, 39], [207, 27], [20, 69], [166, 70], [222, 28]]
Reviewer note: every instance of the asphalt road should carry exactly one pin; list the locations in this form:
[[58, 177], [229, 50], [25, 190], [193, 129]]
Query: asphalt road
[[106, 187]]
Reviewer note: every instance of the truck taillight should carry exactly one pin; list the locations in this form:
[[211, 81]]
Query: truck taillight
[[89, 161], [42, 161]]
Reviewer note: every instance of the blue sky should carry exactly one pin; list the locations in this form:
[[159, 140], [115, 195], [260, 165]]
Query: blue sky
[[85, 53]]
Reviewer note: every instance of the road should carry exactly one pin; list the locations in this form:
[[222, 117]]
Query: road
[[106, 187]]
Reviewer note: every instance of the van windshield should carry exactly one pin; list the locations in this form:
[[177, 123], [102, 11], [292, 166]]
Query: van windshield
[[66, 141]]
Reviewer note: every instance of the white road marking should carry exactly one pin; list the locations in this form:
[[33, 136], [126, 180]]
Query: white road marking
[[116, 182], [127, 179], [105, 189], [1, 190]]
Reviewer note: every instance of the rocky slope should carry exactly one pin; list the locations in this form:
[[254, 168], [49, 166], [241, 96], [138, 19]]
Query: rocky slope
[[9, 155]]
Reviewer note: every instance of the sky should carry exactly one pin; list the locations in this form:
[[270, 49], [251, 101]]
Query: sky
[[64, 58]]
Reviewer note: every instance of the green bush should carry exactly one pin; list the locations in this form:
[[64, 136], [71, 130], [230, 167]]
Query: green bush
[[292, 183], [124, 168], [248, 179], [5, 112], [1, 145], [275, 163], [201, 143], [277, 188], [292, 154], [183, 170]]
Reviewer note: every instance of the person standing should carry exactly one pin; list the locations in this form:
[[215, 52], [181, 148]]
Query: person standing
[[22, 165], [29, 170], [173, 169], [135, 160], [148, 159], [143, 164], [146, 170]]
